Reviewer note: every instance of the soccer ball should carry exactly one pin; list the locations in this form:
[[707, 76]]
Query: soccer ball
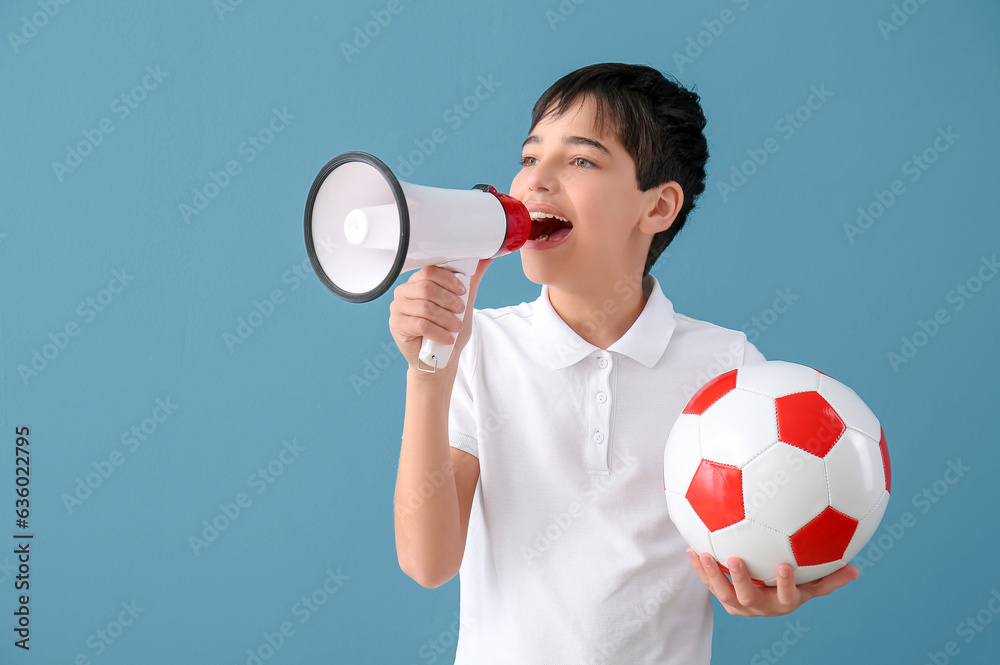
[[777, 463]]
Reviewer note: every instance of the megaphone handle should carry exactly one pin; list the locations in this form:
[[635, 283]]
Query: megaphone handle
[[436, 355]]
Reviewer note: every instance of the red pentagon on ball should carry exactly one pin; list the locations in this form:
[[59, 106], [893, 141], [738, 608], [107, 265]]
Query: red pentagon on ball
[[807, 421], [711, 392], [885, 461], [716, 494], [824, 539]]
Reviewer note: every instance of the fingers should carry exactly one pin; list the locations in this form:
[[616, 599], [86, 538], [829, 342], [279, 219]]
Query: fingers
[[788, 593], [698, 568], [744, 587], [743, 597], [711, 574], [718, 583], [441, 286], [429, 306]]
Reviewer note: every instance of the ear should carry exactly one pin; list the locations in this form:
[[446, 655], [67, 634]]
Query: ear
[[666, 202]]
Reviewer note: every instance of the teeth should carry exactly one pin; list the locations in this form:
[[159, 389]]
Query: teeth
[[542, 238], [535, 216]]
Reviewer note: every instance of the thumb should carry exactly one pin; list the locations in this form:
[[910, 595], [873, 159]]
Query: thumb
[[478, 276], [470, 302], [474, 287]]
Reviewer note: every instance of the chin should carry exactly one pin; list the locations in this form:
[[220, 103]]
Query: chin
[[539, 268], [535, 270]]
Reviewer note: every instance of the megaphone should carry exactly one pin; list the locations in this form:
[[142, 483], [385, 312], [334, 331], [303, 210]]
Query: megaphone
[[364, 227]]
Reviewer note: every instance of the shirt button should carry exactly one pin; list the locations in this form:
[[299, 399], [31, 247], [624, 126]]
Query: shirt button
[[599, 437], [602, 362], [601, 398]]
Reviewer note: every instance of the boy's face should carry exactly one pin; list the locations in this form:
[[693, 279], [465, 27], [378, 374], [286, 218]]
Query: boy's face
[[588, 179]]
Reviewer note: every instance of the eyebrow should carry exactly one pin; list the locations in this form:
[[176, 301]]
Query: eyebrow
[[570, 140]]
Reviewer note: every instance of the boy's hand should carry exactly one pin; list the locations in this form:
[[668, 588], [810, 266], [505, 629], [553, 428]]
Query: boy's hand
[[428, 305], [741, 597]]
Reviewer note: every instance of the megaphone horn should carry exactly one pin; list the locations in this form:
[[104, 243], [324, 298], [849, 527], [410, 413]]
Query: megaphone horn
[[364, 227]]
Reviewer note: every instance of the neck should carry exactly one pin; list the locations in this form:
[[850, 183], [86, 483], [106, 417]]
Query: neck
[[602, 314]]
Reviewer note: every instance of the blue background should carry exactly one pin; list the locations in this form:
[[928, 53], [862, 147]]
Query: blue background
[[300, 376]]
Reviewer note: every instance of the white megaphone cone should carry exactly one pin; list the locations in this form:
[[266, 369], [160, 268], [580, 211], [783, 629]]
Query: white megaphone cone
[[364, 227]]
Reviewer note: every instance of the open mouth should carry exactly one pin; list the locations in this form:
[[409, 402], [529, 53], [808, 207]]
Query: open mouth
[[546, 227]]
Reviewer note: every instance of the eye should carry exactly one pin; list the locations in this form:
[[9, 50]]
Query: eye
[[583, 162], [528, 161]]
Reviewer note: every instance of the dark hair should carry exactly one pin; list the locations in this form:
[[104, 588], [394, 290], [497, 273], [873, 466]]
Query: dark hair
[[659, 122]]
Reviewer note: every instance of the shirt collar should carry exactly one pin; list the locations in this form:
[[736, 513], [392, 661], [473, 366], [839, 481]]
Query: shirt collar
[[644, 342]]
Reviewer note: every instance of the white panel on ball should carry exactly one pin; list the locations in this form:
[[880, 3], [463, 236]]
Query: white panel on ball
[[738, 427], [682, 454], [784, 488], [856, 476], [866, 528], [777, 378]]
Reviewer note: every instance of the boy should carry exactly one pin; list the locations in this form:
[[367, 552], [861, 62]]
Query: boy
[[545, 440]]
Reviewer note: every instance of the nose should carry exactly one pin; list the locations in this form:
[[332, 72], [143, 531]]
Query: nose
[[541, 178]]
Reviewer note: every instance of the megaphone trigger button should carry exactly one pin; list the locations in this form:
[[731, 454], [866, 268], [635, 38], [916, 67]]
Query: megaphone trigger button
[[429, 370]]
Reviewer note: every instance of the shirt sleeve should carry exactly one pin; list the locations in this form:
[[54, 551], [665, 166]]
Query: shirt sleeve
[[751, 354], [462, 425]]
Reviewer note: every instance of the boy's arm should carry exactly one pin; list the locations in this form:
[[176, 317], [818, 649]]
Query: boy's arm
[[435, 483], [434, 487]]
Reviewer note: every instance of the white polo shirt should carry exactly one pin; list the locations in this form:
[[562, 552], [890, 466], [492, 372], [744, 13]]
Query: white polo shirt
[[571, 556]]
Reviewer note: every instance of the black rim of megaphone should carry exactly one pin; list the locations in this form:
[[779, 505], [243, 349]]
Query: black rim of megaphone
[[404, 225]]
